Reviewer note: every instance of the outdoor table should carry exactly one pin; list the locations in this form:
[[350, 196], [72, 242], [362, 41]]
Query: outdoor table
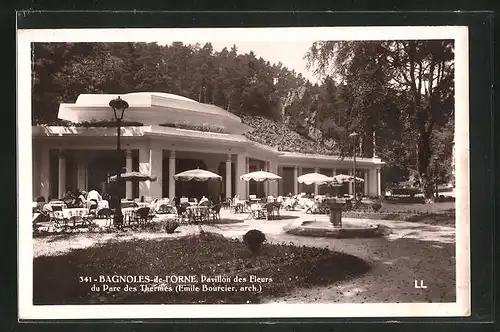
[[128, 213], [75, 214], [198, 213], [128, 204]]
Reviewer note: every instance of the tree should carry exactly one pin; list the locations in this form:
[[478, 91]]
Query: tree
[[412, 79]]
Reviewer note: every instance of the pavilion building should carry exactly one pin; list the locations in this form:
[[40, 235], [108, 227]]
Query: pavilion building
[[84, 156]]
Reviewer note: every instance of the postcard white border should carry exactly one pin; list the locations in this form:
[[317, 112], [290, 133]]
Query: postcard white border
[[25, 244]]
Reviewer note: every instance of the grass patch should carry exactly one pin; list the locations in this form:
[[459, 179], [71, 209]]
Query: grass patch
[[444, 219], [440, 213], [56, 278]]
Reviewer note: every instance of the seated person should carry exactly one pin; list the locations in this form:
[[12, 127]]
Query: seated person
[[94, 195], [68, 198], [102, 204], [80, 200]]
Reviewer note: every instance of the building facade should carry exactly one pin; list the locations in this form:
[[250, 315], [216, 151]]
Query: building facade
[[70, 157]]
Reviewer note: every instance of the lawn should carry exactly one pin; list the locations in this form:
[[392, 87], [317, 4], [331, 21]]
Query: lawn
[[281, 268], [439, 213]]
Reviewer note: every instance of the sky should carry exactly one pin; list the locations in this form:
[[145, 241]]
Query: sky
[[290, 53]]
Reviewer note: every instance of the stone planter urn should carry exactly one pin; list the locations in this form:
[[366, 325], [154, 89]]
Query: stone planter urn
[[335, 205]]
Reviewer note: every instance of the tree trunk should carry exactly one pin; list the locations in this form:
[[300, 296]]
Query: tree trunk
[[427, 188], [426, 180]]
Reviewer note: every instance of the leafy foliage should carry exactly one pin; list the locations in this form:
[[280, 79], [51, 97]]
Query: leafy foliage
[[398, 94], [171, 226], [376, 206], [403, 91], [240, 83], [280, 135], [254, 240]]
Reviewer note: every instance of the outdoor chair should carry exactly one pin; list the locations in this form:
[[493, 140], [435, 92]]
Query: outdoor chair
[[82, 216], [311, 207], [143, 215], [256, 212], [57, 216], [277, 207], [215, 212], [182, 212], [227, 204], [268, 210], [323, 207], [290, 203], [106, 214], [165, 209]]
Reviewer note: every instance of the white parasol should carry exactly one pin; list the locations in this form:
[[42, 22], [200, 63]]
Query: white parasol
[[197, 175], [260, 176]]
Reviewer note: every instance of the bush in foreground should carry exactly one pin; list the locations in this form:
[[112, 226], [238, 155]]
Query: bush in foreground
[[254, 240], [171, 226]]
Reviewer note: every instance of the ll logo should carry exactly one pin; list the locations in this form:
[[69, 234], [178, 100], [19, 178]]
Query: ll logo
[[421, 284]]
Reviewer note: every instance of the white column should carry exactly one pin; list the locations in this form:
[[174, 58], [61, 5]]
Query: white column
[[295, 182], [334, 172], [144, 167], [266, 183], [171, 173], [273, 186], [156, 157], [316, 189], [378, 183], [129, 184], [247, 170], [372, 178], [228, 176], [365, 184], [150, 162], [280, 183], [62, 174], [241, 168], [81, 180], [301, 185]]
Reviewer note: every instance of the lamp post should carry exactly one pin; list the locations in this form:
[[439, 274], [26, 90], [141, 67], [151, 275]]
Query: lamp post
[[119, 106], [435, 171], [354, 136]]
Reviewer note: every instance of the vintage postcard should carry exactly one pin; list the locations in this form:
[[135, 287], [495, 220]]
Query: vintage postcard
[[243, 172]]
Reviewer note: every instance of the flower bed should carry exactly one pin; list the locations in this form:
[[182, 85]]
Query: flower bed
[[286, 267]]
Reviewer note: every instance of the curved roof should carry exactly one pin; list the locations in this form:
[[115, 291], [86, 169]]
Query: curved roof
[[159, 94], [152, 108]]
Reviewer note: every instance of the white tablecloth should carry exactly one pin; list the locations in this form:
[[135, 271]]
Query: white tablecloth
[[75, 212]]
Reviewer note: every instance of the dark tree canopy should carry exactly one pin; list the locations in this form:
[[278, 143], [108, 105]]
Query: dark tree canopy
[[240, 83], [400, 92], [403, 91]]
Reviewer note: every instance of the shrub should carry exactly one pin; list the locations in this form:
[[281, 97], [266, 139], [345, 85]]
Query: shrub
[[376, 206], [171, 226], [254, 240]]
